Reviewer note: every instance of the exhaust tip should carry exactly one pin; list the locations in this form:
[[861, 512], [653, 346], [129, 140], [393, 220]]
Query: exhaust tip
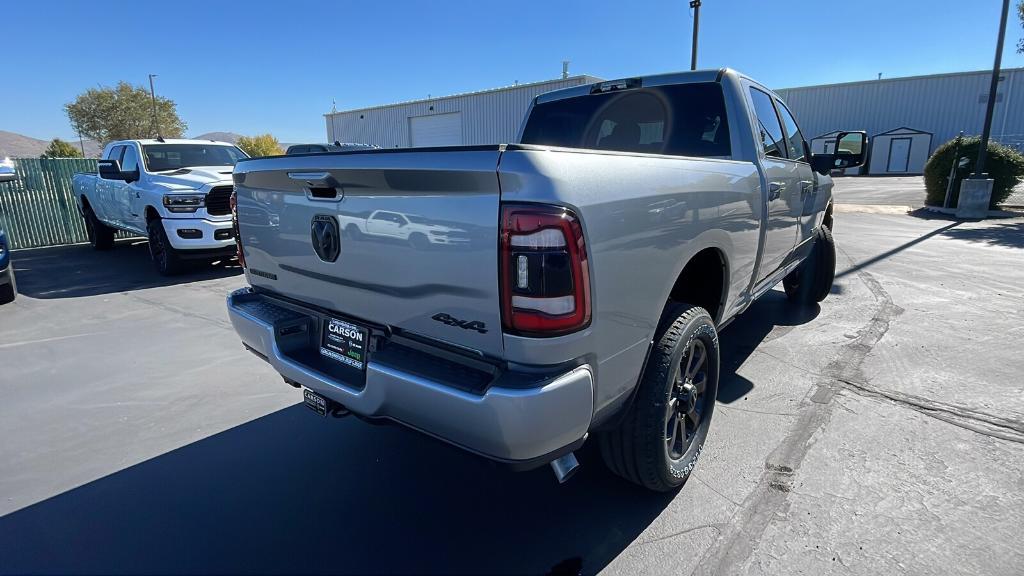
[[564, 467]]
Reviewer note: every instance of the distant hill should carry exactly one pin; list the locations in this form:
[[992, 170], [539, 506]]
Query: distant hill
[[16, 145]]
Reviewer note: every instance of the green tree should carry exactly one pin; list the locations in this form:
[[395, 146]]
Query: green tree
[[123, 113], [61, 149], [1020, 15], [260, 145], [1004, 165]]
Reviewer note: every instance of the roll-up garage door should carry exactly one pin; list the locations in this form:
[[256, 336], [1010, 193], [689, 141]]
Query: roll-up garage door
[[436, 130]]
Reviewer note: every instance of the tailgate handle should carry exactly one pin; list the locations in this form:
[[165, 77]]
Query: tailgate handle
[[319, 185]]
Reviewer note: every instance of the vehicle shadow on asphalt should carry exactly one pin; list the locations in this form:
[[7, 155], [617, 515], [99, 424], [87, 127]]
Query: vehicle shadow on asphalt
[[75, 271], [771, 314], [292, 492]]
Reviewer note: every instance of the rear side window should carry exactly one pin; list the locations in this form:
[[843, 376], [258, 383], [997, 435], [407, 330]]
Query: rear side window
[[680, 120], [768, 124]]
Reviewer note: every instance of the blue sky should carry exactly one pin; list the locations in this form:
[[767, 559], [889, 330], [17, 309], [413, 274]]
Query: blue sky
[[255, 66]]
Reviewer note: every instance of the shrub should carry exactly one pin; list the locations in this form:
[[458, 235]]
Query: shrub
[[261, 145], [1003, 164]]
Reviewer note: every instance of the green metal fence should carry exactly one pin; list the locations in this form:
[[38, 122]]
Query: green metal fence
[[38, 209]]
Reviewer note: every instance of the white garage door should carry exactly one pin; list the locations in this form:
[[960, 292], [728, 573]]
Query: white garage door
[[436, 130]]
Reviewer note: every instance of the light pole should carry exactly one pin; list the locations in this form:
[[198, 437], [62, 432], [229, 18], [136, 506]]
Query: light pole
[[986, 130], [152, 95], [976, 191], [695, 4]]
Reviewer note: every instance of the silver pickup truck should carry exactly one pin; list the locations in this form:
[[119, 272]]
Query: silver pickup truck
[[600, 257]]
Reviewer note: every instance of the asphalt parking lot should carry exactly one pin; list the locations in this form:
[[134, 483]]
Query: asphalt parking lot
[[882, 432]]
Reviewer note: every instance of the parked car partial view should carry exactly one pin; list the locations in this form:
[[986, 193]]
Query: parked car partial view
[[336, 147], [7, 172], [632, 221], [8, 286], [175, 192]]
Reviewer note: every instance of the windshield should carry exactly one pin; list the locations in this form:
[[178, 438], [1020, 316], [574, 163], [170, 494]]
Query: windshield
[[164, 157]]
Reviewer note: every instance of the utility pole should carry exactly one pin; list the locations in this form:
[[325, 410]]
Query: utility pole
[[979, 167], [152, 95], [695, 4], [976, 191]]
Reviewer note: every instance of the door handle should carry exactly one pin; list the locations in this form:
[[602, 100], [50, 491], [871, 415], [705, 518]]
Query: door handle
[[775, 190], [806, 186]]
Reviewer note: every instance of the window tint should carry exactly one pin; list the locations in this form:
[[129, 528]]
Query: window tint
[[130, 161], [768, 124], [683, 120], [793, 135]]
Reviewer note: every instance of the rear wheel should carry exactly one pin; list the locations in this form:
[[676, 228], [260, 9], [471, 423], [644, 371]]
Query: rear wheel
[[812, 281], [659, 441], [164, 256], [9, 291], [419, 241], [101, 236]]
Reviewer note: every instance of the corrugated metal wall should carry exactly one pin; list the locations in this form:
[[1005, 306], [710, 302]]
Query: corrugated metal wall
[[488, 117], [38, 209], [941, 104]]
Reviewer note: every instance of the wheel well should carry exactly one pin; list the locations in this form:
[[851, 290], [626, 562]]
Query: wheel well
[[827, 220], [702, 282], [85, 202], [151, 214]]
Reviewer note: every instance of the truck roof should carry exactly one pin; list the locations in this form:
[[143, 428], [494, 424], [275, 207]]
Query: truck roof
[[173, 141], [711, 75]]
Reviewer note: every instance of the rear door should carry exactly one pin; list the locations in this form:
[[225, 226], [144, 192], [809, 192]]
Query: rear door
[[287, 204], [782, 181], [813, 192]]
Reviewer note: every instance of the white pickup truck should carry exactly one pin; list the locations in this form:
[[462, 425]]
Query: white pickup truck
[[175, 192], [410, 228]]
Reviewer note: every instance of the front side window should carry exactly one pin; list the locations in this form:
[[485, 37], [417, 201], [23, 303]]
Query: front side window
[[115, 153], [130, 161], [166, 157], [794, 138], [680, 120], [768, 124]]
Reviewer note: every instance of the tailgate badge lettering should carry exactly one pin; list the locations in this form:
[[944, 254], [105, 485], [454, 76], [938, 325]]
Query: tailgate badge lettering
[[464, 324], [326, 237]]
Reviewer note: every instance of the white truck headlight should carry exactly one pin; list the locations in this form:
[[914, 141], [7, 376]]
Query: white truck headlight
[[184, 202]]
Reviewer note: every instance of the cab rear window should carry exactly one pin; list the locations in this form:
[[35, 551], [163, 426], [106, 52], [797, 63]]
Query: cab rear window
[[680, 120]]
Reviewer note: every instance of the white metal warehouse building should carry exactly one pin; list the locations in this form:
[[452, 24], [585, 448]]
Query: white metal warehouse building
[[485, 117], [907, 118]]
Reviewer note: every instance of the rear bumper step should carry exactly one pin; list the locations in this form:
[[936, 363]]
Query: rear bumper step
[[507, 416]]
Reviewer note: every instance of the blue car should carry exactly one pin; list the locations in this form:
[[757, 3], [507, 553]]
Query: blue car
[[8, 289]]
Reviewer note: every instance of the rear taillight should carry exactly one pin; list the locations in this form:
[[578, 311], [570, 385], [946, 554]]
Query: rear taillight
[[234, 227], [545, 279]]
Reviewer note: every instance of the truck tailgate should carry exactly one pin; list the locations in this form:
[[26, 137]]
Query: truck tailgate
[[417, 237]]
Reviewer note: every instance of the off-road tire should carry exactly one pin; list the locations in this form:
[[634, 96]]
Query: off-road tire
[[638, 449], [101, 236], [165, 257], [8, 292], [812, 281]]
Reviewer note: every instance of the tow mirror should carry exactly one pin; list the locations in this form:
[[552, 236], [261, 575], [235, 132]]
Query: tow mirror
[[110, 170], [850, 150], [7, 173]]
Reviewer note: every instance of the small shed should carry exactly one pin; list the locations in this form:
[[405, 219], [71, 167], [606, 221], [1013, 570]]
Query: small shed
[[826, 144], [900, 151]]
